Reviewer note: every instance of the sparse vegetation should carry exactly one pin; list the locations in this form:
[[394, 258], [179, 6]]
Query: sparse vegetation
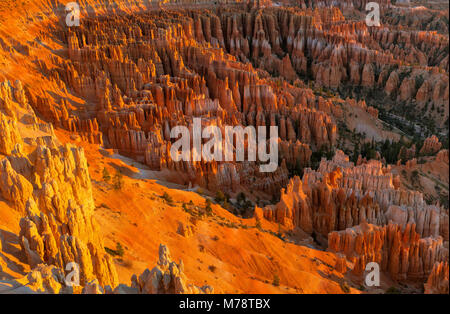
[[212, 268], [208, 208], [276, 280], [167, 198], [118, 180], [220, 197], [392, 290], [345, 287], [119, 251], [106, 175], [324, 152]]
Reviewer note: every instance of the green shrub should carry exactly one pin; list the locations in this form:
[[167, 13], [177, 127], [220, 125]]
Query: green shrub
[[167, 198], [106, 175], [118, 180], [241, 198], [208, 208], [110, 251], [392, 290], [220, 197], [345, 287], [276, 280], [119, 249], [226, 205]]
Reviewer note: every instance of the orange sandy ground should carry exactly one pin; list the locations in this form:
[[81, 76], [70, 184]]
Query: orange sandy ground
[[246, 260]]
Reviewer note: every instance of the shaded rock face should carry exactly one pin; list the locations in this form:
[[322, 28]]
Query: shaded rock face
[[166, 277], [366, 217], [49, 184]]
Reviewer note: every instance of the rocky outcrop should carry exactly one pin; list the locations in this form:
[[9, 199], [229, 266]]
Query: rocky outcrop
[[407, 154], [9, 135], [340, 195], [399, 251], [58, 228], [166, 278], [437, 282], [361, 212], [431, 146], [42, 279], [442, 156], [430, 220], [185, 230], [13, 186], [49, 185]]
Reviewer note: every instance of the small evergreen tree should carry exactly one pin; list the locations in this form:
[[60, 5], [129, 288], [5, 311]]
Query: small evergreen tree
[[119, 249], [220, 197], [118, 180], [167, 198], [106, 175], [208, 207], [226, 205], [241, 198], [276, 280]]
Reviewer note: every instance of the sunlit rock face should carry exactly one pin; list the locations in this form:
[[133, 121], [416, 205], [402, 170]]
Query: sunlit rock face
[[49, 185], [366, 217], [159, 77]]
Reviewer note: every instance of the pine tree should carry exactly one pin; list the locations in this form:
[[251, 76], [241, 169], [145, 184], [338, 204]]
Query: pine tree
[[119, 249], [118, 180], [106, 175], [208, 207], [276, 280], [220, 197]]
